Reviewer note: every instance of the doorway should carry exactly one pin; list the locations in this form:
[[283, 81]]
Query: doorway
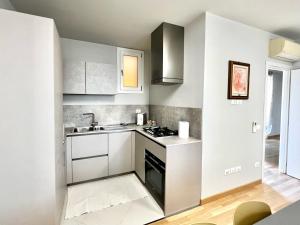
[[275, 138], [273, 117]]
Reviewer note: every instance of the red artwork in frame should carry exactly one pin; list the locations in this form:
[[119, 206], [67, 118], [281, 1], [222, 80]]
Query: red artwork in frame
[[238, 80]]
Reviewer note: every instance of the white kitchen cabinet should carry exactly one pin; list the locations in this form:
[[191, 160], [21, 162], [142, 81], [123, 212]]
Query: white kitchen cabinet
[[89, 145], [69, 159], [120, 153], [32, 175], [74, 77], [101, 78], [133, 151], [140, 156], [91, 168]]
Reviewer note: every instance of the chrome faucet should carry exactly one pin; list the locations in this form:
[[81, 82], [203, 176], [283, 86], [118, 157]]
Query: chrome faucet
[[93, 123]]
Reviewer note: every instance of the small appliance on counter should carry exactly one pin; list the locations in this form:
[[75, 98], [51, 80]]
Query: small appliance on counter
[[141, 119], [183, 127]]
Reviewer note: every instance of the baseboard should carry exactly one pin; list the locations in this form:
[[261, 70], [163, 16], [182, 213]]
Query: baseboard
[[232, 191]]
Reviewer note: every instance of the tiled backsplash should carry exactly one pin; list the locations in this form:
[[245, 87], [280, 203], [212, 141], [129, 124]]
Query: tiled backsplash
[[114, 114], [170, 115], [104, 114]]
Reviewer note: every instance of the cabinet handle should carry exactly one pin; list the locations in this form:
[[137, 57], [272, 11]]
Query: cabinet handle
[[122, 73]]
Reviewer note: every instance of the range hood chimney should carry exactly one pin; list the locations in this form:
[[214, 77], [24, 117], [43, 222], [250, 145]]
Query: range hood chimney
[[167, 48]]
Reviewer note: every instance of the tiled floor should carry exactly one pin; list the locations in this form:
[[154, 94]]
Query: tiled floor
[[115, 201]]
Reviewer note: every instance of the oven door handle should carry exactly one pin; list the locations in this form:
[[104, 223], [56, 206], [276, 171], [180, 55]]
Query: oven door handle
[[155, 167]]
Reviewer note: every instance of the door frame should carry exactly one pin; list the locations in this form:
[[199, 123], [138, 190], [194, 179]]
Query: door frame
[[286, 69]]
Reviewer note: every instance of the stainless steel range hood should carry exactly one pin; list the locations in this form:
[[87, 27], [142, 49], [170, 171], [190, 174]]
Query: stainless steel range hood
[[167, 48]]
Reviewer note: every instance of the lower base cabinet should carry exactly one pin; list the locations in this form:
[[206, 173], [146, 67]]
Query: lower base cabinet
[[95, 156], [140, 147], [91, 168], [120, 153]]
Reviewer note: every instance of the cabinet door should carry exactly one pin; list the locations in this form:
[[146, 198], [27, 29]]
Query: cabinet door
[[120, 153], [92, 168], [140, 156], [69, 159], [133, 151], [74, 77], [89, 145], [101, 78]]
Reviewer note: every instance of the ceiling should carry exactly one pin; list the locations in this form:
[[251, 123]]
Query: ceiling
[[128, 23]]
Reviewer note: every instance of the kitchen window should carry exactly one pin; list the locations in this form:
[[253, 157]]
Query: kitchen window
[[130, 70]]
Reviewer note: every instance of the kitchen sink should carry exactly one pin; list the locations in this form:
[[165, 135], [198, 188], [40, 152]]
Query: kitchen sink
[[114, 127], [98, 128], [85, 129]]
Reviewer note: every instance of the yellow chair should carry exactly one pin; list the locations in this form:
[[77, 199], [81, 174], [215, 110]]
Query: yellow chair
[[249, 213]]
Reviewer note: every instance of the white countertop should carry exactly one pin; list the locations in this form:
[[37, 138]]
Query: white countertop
[[168, 140], [165, 141]]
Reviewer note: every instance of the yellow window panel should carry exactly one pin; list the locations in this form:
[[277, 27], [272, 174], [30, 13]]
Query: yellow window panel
[[130, 71]]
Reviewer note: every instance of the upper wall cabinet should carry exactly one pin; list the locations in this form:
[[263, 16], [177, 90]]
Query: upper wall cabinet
[[130, 70], [97, 69], [101, 78], [74, 77], [91, 78]]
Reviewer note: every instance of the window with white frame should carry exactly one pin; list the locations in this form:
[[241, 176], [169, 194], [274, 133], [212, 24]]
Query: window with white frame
[[130, 70]]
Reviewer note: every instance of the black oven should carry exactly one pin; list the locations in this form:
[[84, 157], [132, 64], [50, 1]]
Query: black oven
[[155, 177]]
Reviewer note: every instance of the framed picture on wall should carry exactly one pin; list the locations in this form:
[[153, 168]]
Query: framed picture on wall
[[238, 80]]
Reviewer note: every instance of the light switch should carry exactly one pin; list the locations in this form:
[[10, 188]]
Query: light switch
[[255, 127]]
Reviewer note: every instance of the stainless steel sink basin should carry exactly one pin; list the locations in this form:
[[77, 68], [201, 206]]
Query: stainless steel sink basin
[[98, 128], [81, 129], [114, 127]]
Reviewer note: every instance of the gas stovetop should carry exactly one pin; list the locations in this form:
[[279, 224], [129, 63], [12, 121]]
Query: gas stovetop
[[160, 131]]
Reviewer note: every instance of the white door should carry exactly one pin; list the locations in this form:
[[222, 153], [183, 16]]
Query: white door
[[293, 157]]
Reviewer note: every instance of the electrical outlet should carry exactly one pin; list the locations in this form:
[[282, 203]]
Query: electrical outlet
[[238, 169], [257, 164], [233, 170], [227, 172], [236, 102]]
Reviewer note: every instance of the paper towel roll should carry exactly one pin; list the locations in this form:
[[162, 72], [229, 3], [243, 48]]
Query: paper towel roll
[[183, 129]]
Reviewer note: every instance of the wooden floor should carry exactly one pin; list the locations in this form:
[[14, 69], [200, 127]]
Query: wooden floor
[[277, 190]]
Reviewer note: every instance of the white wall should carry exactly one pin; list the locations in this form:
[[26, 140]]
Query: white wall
[[227, 137], [60, 168], [6, 4], [27, 127], [86, 51], [190, 93]]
